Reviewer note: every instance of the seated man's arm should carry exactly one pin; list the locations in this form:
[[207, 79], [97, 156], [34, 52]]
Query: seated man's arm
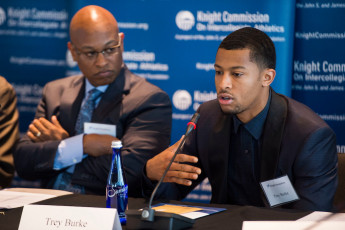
[[180, 171], [47, 147], [9, 131], [184, 174], [34, 156], [146, 132], [315, 171]]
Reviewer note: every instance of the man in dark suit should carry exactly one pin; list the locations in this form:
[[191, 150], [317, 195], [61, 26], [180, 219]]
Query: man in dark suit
[[251, 134], [9, 131], [54, 151]]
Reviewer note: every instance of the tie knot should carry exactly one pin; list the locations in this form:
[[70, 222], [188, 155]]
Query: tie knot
[[94, 94]]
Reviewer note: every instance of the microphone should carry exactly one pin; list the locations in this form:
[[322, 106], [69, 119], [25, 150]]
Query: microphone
[[167, 219], [192, 124]]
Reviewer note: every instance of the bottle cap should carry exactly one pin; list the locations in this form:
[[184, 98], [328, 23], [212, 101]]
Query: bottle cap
[[116, 144]]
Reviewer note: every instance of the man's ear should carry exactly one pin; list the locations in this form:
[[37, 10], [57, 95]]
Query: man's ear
[[122, 35], [74, 55], [268, 77]]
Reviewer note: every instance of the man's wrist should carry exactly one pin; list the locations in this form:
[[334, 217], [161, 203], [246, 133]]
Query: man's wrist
[[85, 143], [148, 173]]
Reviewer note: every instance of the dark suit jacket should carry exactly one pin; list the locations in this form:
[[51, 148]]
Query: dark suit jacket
[[9, 131], [296, 142], [140, 111]]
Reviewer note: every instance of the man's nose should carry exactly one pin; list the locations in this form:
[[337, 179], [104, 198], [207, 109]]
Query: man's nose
[[101, 59], [225, 81]]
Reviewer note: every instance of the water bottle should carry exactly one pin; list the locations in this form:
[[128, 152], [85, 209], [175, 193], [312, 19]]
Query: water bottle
[[117, 188]]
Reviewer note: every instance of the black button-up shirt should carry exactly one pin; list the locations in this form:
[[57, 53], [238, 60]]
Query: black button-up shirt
[[244, 160]]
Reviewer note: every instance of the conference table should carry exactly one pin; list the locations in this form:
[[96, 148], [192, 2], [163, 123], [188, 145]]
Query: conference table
[[232, 217]]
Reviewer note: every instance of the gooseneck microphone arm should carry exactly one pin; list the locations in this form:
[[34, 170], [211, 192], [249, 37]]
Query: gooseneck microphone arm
[[148, 214], [166, 171]]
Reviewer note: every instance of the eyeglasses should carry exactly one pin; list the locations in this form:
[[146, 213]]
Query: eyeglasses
[[92, 55]]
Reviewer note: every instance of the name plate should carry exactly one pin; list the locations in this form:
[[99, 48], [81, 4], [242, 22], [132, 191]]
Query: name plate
[[43, 217], [97, 128], [279, 191]]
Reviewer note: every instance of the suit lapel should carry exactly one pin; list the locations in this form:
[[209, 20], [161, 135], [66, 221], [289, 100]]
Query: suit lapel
[[111, 99], [272, 137], [219, 147], [70, 104]]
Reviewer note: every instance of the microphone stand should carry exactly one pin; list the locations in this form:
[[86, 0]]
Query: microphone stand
[[150, 215], [163, 220]]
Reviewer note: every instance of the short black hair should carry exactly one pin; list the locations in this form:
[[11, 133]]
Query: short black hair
[[262, 50]]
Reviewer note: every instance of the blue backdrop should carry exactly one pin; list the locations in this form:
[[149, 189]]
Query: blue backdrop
[[319, 61], [173, 45]]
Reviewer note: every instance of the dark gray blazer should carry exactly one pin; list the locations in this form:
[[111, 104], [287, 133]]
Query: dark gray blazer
[[140, 111], [296, 142]]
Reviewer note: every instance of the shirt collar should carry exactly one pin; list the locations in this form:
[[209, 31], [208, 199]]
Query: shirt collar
[[256, 125], [89, 87]]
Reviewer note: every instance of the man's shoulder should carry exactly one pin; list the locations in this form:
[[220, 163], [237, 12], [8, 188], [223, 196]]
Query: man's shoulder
[[210, 109], [3, 82], [302, 116], [141, 83], [66, 81], [7, 92], [210, 104], [140, 88], [5, 86]]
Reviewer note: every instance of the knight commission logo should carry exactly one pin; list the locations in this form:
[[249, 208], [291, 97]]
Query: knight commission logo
[[185, 20], [182, 100], [2, 16]]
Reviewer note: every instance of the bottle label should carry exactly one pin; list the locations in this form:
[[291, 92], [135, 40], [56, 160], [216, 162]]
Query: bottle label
[[117, 197], [116, 191]]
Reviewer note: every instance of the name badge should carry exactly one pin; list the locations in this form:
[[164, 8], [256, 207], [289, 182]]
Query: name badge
[[279, 191], [97, 128], [43, 217]]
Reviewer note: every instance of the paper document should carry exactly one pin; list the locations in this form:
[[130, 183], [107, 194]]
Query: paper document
[[18, 199], [192, 212], [175, 209], [295, 225], [323, 216]]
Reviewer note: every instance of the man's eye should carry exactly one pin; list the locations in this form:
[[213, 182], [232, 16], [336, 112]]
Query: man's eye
[[237, 74], [109, 50], [90, 54], [218, 72]]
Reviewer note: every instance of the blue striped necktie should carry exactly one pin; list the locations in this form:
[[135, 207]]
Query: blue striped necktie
[[86, 110], [64, 179]]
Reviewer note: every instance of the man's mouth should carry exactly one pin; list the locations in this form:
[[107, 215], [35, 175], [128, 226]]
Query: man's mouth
[[104, 73], [225, 98]]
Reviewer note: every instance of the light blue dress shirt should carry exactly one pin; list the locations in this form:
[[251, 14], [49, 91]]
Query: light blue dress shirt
[[70, 150]]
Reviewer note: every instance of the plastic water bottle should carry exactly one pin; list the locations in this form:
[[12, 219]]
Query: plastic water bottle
[[117, 188]]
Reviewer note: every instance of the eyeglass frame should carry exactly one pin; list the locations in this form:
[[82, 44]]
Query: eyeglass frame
[[93, 58]]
